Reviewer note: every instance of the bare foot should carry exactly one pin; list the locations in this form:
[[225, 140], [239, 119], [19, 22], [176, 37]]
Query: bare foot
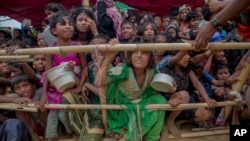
[[164, 133], [173, 129]]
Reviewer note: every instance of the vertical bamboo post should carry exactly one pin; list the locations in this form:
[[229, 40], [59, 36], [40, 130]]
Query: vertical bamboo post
[[244, 74], [102, 93]]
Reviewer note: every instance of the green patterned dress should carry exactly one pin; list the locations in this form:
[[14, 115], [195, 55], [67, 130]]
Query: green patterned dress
[[135, 123]]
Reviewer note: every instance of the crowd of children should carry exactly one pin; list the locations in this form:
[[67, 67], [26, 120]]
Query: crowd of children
[[199, 76]]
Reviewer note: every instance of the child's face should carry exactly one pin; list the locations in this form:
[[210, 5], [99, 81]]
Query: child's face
[[183, 14], [4, 68], [173, 32], [149, 33], [39, 62], [132, 19], [194, 23], [127, 31], [157, 21], [198, 72], [198, 10], [184, 61], [49, 14], [40, 40], [82, 23], [222, 74], [220, 56], [25, 89], [16, 34], [165, 21], [140, 59], [160, 39], [64, 30], [143, 19]]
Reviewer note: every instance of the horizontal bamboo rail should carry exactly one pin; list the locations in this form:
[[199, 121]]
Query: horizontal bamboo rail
[[124, 47], [16, 58], [202, 133], [16, 107], [31, 108], [149, 107]]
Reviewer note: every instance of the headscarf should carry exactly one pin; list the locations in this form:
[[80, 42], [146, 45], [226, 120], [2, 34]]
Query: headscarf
[[115, 15]]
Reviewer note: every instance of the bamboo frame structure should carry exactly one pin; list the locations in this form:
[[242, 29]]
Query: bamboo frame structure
[[16, 107], [202, 133], [124, 47], [149, 107], [16, 58]]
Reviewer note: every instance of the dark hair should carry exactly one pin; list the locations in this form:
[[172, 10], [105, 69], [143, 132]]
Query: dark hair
[[101, 36], [139, 40], [220, 66], [206, 13], [161, 34], [19, 30], [54, 7], [191, 15], [174, 12], [143, 26], [131, 14], [149, 19], [18, 78], [128, 22], [74, 12], [175, 28], [16, 65], [29, 41], [13, 42], [58, 18], [198, 66]]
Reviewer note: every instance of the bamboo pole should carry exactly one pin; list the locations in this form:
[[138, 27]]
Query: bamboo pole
[[102, 92], [209, 129], [16, 107], [149, 107], [202, 133], [14, 57], [124, 47], [244, 74]]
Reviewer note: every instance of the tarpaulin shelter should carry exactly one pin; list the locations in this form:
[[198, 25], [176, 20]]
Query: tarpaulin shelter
[[34, 9]]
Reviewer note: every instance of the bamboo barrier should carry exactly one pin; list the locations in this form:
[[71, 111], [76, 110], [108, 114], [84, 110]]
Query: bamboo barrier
[[149, 107], [16, 107], [16, 58], [201, 133], [167, 107], [124, 47]]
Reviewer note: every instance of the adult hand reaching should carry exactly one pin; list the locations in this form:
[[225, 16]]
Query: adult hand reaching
[[205, 33]]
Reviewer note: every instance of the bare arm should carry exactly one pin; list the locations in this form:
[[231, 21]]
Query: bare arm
[[92, 88], [201, 90], [178, 56], [233, 8], [84, 73], [30, 72]]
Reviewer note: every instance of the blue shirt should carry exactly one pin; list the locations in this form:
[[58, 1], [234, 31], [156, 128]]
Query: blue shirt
[[206, 80]]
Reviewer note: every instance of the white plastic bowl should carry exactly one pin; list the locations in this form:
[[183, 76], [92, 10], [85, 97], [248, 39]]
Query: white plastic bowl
[[61, 78], [162, 82]]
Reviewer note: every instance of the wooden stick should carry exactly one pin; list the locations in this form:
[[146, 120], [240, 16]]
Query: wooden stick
[[124, 47], [245, 73], [16, 107], [208, 129], [150, 107], [102, 92], [202, 133], [15, 57]]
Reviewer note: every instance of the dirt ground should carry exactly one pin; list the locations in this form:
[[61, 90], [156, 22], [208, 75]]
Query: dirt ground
[[213, 134]]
